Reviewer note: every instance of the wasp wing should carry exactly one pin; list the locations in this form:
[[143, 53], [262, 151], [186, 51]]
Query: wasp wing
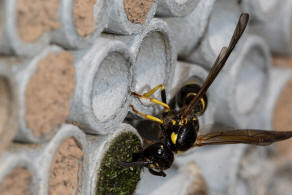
[[244, 136], [219, 63]]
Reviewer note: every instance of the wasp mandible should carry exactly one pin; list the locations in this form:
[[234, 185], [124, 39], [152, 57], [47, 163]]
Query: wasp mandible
[[180, 127]]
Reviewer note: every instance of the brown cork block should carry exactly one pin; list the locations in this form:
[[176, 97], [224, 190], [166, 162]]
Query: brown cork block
[[18, 182], [48, 93], [83, 13], [34, 17], [65, 171], [137, 10], [282, 114]]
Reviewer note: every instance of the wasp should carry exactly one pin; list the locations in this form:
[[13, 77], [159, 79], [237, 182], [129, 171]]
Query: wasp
[[180, 127]]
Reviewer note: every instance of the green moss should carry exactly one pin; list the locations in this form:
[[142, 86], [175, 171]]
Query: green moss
[[114, 179]]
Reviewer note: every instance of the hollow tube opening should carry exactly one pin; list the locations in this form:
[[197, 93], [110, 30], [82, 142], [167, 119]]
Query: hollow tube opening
[[151, 63], [110, 86], [250, 81]]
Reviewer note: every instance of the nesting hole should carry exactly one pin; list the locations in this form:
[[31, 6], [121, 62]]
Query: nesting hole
[[48, 93], [250, 81], [83, 13], [110, 86], [66, 168], [151, 63], [137, 10], [18, 182], [5, 104]]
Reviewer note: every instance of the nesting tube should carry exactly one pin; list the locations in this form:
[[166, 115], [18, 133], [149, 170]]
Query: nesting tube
[[104, 79], [188, 31], [216, 162], [8, 107], [154, 55], [277, 31], [186, 72], [253, 169], [80, 22], [259, 10], [25, 25], [218, 34], [189, 180], [17, 173], [44, 87], [277, 102], [59, 161], [241, 88], [103, 175], [168, 8], [129, 16]]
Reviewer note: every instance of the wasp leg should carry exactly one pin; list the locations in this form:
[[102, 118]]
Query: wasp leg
[[160, 173], [156, 101], [147, 116], [162, 92]]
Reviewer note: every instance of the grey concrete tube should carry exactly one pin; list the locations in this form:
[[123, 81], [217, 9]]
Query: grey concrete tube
[[17, 173], [188, 31], [185, 72], [216, 162], [68, 146], [277, 31], [15, 37], [102, 163], [104, 80], [81, 22], [218, 34], [8, 106], [189, 180], [176, 7], [154, 62], [279, 78], [261, 10], [42, 99], [129, 17], [241, 88]]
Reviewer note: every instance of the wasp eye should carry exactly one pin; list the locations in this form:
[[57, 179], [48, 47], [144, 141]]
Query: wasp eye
[[159, 151]]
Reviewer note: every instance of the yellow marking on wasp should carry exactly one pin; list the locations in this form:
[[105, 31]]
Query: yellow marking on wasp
[[202, 99], [183, 121], [151, 166], [131, 168], [180, 152], [173, 137], [147, 116], [191, 83], [173, 122], [156, 164], [147, 94], [195, 119], [147, 159]]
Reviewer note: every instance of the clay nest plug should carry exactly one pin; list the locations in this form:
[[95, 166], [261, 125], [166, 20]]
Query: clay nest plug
[[112, 178]]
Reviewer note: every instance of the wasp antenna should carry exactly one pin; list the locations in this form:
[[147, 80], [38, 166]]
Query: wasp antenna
[[132, 164], [219, 63]]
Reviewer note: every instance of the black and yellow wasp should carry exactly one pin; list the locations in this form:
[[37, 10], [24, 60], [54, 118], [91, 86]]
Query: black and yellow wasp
[[180, 127]]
